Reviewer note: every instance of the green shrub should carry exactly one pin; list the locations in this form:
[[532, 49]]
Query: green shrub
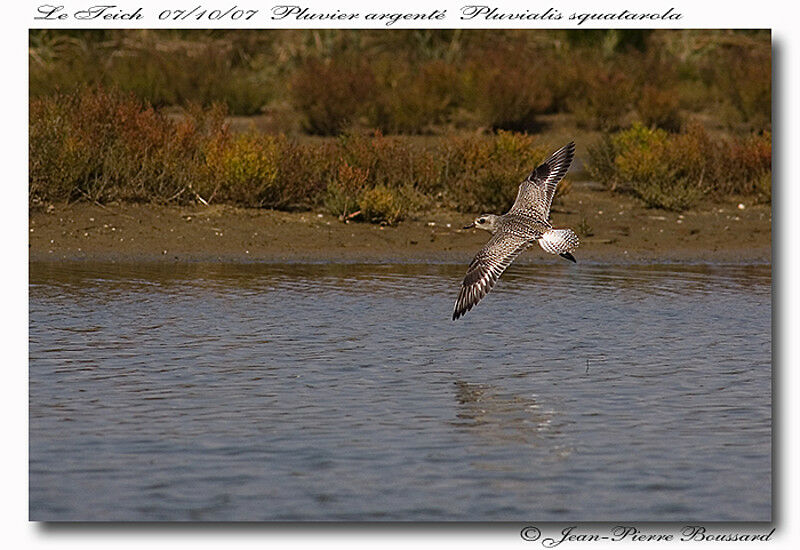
[[660, 170], [677, 193], [601, 164], [243, 169], [381, 204], [673, 171], [483, 174]]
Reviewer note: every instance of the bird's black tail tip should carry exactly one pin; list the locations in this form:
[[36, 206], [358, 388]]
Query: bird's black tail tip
[[568, 256]]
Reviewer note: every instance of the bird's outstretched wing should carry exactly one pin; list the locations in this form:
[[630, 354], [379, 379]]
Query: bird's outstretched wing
[[486, 267], [536, 192]]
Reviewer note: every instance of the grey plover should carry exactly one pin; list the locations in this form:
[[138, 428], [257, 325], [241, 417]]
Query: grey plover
[[526, 223]]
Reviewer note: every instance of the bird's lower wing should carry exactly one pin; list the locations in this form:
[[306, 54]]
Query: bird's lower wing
[[485, 269]]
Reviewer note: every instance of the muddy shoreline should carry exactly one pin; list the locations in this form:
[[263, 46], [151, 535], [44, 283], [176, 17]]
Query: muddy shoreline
[[613, 229]]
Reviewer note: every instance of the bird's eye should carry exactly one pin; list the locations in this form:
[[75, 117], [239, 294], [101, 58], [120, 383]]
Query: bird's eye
[[482, 220]]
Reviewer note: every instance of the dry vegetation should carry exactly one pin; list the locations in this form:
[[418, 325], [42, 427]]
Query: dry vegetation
[[684, 114], [102, 146]]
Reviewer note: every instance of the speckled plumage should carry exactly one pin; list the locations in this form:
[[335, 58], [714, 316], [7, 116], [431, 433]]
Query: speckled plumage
[[524, 224]]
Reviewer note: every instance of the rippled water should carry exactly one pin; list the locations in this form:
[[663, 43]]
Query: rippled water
[[304, 392]]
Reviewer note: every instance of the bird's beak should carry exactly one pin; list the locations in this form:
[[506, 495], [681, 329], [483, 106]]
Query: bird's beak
[[470, 226]]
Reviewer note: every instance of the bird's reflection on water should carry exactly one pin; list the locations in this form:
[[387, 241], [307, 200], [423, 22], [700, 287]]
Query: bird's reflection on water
[[498, 417]]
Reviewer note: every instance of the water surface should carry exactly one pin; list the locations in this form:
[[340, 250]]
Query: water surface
[[309, 392]]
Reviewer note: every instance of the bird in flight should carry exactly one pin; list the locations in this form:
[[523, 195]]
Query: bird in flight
[[526, 223]]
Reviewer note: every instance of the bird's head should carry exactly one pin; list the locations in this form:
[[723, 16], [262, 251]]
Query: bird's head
[[484, 221]]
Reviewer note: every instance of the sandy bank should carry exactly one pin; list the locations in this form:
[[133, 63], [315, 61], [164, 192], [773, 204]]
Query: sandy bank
[[614, 229]]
